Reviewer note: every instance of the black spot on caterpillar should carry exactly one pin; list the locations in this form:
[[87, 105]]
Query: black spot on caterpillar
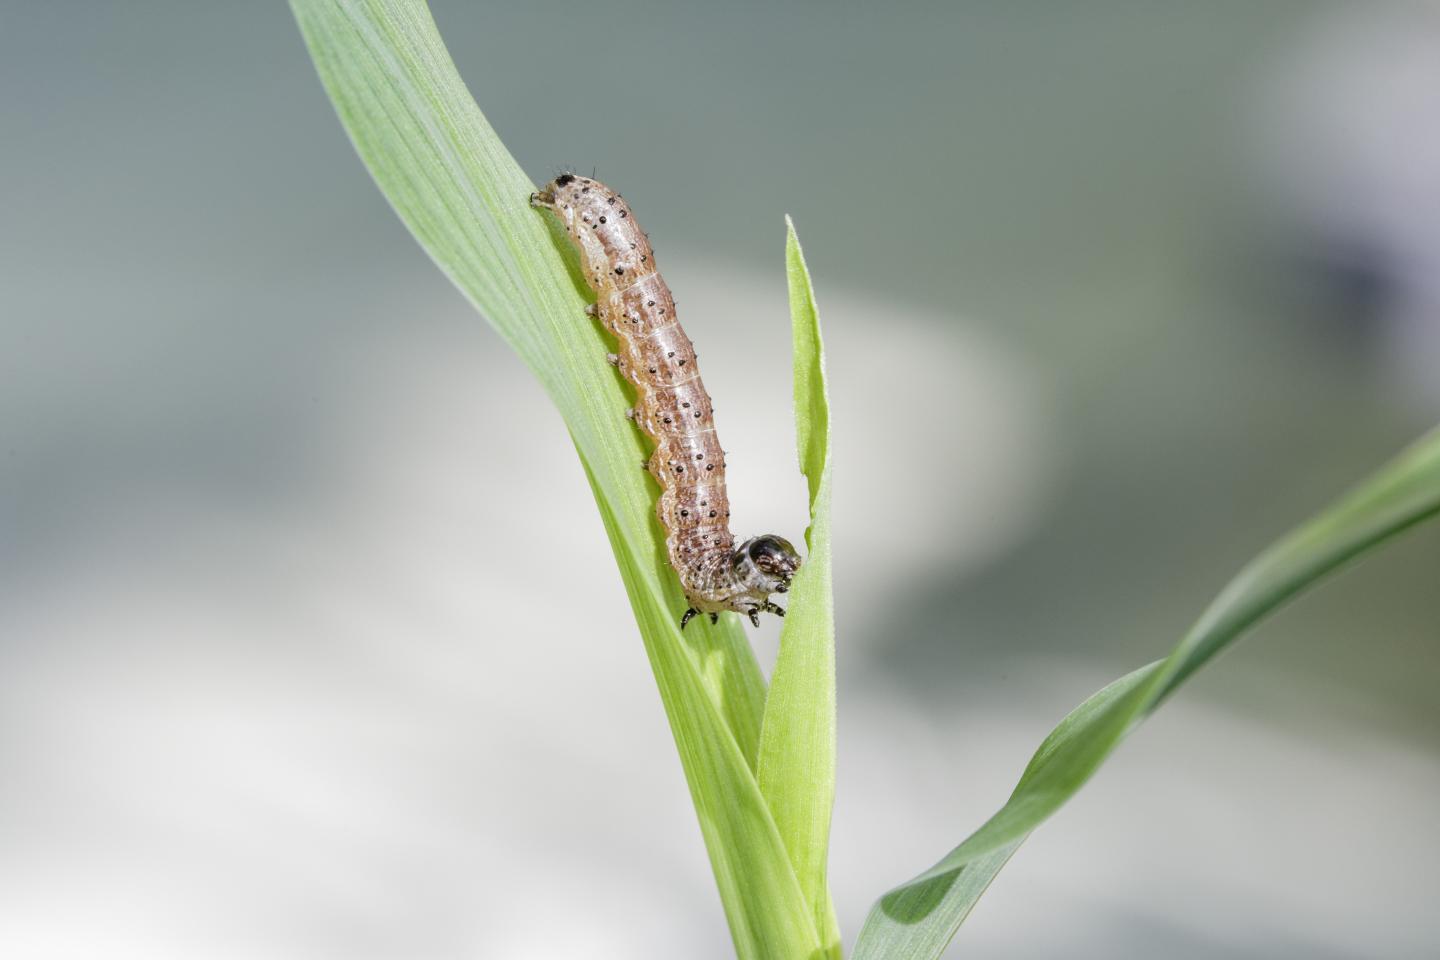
[[635, 305]]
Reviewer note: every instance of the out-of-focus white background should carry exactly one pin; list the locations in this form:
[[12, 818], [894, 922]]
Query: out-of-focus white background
[[292, 551]]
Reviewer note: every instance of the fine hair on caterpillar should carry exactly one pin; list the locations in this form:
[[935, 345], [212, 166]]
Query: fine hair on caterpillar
[[671, 407]]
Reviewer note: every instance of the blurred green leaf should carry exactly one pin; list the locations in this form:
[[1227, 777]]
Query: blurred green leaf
[[462, 195], [918, 918], [797, 739]]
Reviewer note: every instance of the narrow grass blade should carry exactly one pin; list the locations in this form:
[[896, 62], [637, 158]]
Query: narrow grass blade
[[462, 195], [797, 739], [918, 918]]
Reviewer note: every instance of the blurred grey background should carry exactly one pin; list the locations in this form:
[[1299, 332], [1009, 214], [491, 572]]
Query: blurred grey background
[[291, 666]]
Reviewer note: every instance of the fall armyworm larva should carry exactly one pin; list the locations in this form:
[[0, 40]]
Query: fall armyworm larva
[[672, 408]]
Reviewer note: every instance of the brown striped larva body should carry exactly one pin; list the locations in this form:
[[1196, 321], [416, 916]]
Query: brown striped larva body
[[672, 407]]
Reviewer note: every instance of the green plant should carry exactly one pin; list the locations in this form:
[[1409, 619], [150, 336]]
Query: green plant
[[759, 764]]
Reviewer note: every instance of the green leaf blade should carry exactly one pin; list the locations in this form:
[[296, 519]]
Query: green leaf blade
[[765, 907], [918, 918], [455, 186], [796, 769]]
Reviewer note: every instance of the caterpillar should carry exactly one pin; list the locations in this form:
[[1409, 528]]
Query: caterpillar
[[672, 408]]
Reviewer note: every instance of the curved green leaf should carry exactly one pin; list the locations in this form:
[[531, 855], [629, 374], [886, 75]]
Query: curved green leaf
[[462, 195], [918, 918]]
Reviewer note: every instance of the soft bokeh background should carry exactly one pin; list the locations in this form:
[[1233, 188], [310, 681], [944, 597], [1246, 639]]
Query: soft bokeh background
[[291, 549]]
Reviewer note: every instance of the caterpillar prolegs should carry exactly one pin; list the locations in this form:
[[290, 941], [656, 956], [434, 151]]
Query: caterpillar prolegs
[[672, 408]]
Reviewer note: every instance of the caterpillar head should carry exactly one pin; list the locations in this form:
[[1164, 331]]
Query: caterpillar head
[[765, 564]]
